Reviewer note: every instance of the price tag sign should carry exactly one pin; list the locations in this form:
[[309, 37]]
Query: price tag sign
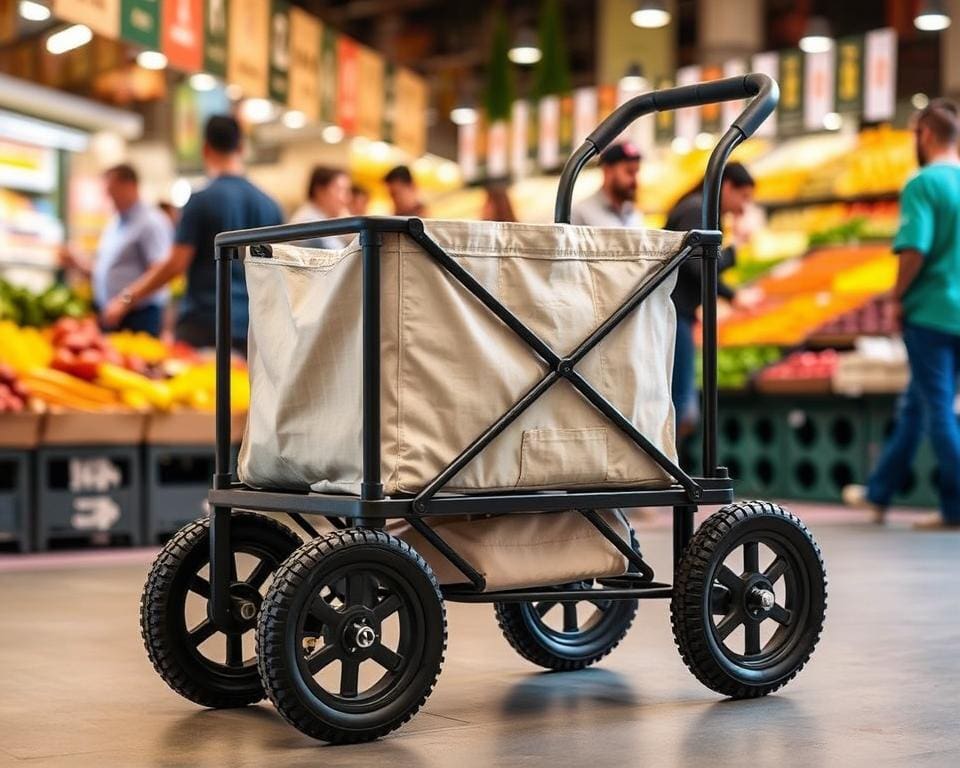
[[96, 476]]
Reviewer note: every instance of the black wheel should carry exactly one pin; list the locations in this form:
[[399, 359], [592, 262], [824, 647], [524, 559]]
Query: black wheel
[[351, 636], [197, 661], [567, 635], [749, 599]]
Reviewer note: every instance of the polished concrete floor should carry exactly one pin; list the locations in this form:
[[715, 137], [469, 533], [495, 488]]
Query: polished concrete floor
[[883, 688]]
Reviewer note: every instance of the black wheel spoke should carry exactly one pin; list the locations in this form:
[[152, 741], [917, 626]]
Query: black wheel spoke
[[729, 623], [720, 598], [751, 633], [203, 631], [729, 579], [349, 674], [325, 612], [751, 557], [261, 573], [386, 658], [544, 606], [359, 589], [386, 607], [780, 615], [601, 605], [200, 586], [776, 569], [234, 649], [570, 623], [320, 659]]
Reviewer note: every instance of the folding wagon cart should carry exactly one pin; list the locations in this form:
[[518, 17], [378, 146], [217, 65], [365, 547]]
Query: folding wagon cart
[[389, 343]]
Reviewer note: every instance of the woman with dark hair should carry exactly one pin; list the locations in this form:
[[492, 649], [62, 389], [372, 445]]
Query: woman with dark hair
[[497, 206], [328, 195], [736, 193]]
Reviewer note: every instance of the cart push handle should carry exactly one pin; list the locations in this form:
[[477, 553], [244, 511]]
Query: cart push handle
[[762, 88]]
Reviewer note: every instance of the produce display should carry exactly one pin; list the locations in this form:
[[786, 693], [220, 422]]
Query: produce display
[[24, 307], [875, 318], [736, 365], [802, 366], [13, 395]]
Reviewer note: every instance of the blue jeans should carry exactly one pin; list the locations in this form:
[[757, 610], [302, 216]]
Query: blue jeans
[[685, 402], [890, 473], [934, 364]]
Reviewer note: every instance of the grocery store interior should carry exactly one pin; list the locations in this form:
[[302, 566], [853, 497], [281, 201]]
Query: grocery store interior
[[416, 436]]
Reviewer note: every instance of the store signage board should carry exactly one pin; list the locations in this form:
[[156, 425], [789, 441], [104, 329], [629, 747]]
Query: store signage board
[[498, 146], [248, 46], [28, 168], [215, 16], [663, 121], [102, 16], [548, 123], [182, 31], [519, 138], [687, 120], [410, 112], [369, 92], [304, 79], [467, 136], [711, 115], [791, 93], [819, 78], [328, 75], [848, 87], [880, 75], [140, 23], [389, 101], [348, 84], [730, 110], [279, 51], [191, 110], [584, 114], [767, 63]]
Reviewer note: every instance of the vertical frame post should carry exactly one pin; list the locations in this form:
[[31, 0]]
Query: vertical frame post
[[682, 530], [370, 241]]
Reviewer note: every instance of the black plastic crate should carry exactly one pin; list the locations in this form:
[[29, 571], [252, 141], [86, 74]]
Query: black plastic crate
[[16, 492]]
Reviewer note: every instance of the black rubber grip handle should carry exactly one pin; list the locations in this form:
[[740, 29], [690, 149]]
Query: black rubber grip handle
[[763, 88]]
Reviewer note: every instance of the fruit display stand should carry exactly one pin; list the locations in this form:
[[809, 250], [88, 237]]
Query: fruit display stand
[[178, 464], [88, 478], [19, 435]]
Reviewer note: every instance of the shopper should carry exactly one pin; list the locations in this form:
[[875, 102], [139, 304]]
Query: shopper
[[497, 206], [228, 202], [736, 193], [137, 237], [328, 194], [359, 200], [928, 288], [614, 204], [404, 193]]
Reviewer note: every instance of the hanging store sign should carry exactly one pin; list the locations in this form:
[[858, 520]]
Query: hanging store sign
[[730, 110], [791, 92], [248, 46], [848, 87], [303, 88], [348, 84], [584, 114], [183, 34], [102, 16], [369, 101], [140, 22], [767, 63], [710, 114], [880, 70], [548, 124], [215, 36], [498, 145], [687, 120], [467, 137], [410, 112], [328, 75], [279, 51], [519, 138], [664, 129], [818, 83]]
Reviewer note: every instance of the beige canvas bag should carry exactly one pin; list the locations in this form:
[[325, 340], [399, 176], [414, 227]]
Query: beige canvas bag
[[450, 368]]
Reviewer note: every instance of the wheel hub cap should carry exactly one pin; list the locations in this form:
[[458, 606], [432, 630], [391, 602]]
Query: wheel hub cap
[[763, 598]]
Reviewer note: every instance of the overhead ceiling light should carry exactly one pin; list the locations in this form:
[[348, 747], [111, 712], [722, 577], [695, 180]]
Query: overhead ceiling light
[[294, 119], [633, 79], [203, 81], [257, 110], [463, 114], [680, 145], [704, 140], [932, 16], [650, 14], [32, 11], [525, 50], [69, 38], [332, 134], [151, 60], [919, 100], [832, 121], [817, 36]]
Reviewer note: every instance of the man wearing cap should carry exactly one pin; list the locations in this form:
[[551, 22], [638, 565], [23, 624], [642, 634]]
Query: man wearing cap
[[614, 204]]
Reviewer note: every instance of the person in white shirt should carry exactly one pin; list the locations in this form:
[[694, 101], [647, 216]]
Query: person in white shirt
[[614, 204], [328, 197]]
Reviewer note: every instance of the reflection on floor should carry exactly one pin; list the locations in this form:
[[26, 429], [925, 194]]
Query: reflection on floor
[[882, 689]]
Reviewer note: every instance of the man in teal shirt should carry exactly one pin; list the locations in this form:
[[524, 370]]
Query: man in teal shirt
[[928, 288]]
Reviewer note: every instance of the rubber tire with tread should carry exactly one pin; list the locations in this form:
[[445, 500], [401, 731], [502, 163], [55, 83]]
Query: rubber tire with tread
[[179, 670], [688, 613], [273, 633]]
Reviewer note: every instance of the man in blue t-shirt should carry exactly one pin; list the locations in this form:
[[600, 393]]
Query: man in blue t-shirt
[[228, 202]]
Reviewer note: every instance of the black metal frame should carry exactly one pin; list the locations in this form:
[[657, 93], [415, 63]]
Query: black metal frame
[[371, 508]]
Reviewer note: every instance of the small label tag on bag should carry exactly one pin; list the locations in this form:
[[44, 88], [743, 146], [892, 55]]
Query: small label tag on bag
[[261, 251]]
